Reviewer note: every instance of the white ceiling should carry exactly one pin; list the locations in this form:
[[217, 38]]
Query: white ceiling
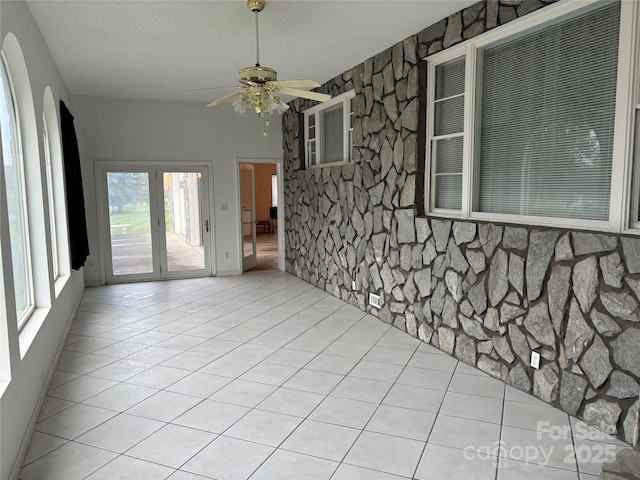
[[153, 49]]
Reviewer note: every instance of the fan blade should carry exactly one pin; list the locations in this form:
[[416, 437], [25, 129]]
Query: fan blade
[[224, 99], [320, 97], [208, 88], [295, 83]]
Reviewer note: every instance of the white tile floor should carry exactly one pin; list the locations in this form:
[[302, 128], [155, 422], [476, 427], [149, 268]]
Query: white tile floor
[[266, 377]]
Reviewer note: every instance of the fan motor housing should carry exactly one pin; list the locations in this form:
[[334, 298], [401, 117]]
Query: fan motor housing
[[257, 74]]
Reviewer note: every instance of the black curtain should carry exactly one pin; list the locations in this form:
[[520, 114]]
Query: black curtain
[[78, 240]]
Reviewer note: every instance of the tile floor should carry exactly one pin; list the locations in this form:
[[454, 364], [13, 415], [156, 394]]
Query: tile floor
[[264, 376]]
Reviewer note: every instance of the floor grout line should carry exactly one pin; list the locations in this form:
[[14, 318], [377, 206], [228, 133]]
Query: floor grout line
[[273, 302]]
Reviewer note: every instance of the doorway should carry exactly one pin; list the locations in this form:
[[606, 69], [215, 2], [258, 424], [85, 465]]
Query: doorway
[[259, 194], [155, 223]]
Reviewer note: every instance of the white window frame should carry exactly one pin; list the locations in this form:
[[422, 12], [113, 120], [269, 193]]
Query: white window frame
[[31, 303], [274, 190], [347, 133], [619, 209], [47, 147], [635, 203], [634, 122], [56, 191]]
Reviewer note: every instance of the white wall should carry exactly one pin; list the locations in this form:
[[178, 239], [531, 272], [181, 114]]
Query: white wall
[[142, 130], [32, 352], [109, 129]]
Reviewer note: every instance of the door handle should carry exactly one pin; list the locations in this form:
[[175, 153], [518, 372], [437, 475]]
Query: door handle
[[206, 225]]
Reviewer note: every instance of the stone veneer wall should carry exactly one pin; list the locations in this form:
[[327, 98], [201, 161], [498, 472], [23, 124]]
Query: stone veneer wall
[[488, 294]]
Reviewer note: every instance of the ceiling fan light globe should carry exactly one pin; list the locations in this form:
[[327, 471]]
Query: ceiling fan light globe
[[240, 105]]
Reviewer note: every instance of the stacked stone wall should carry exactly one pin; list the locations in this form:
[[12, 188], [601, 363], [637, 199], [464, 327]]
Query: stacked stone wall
[[486, 293]]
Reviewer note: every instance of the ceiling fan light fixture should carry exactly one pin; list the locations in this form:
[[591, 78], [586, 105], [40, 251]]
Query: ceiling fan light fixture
[[263, 101], [261, 87]]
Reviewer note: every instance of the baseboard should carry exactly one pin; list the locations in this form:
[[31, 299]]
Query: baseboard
[[24, 446], [93, 283], [228, 273]]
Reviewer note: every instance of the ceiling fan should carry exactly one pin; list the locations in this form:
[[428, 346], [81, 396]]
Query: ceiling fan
[[260, 87]]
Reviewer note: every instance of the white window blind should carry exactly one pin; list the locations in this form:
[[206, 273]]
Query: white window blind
[[329, 131], [547, 104], [637, 159], [332, 125], [448, 134], [635, 223]]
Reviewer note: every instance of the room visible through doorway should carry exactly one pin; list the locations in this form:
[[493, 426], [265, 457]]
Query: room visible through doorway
[[263, 203]]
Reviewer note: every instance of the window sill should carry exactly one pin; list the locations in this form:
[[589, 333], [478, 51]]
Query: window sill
[[532, 221], [547, 222], [322, 165], [446, 214], [4, 384], [31, 328], [59, 284]]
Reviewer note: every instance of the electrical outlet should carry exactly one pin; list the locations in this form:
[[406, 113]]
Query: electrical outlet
[[375, 300], [535, 360], [353, 284], [226, 254]]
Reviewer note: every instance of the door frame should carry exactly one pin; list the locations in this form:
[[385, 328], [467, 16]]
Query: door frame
[[208, 253], [102, 206], [248, 261], [281, 221]]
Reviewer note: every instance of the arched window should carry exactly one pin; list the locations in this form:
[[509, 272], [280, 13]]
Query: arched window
[[13, 166], [50, 202], [55, 186]]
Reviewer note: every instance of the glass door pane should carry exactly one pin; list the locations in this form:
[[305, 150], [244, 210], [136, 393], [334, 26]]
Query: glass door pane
[[184, 223], [130, 222]]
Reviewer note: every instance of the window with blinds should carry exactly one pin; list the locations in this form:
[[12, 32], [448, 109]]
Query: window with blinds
[[333, 122], [636, 222], [547, 107], [448, 133], [523, 124], [328, 132], [635, 204]]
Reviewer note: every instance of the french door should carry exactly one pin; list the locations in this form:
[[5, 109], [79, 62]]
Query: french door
[[155, 222]]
